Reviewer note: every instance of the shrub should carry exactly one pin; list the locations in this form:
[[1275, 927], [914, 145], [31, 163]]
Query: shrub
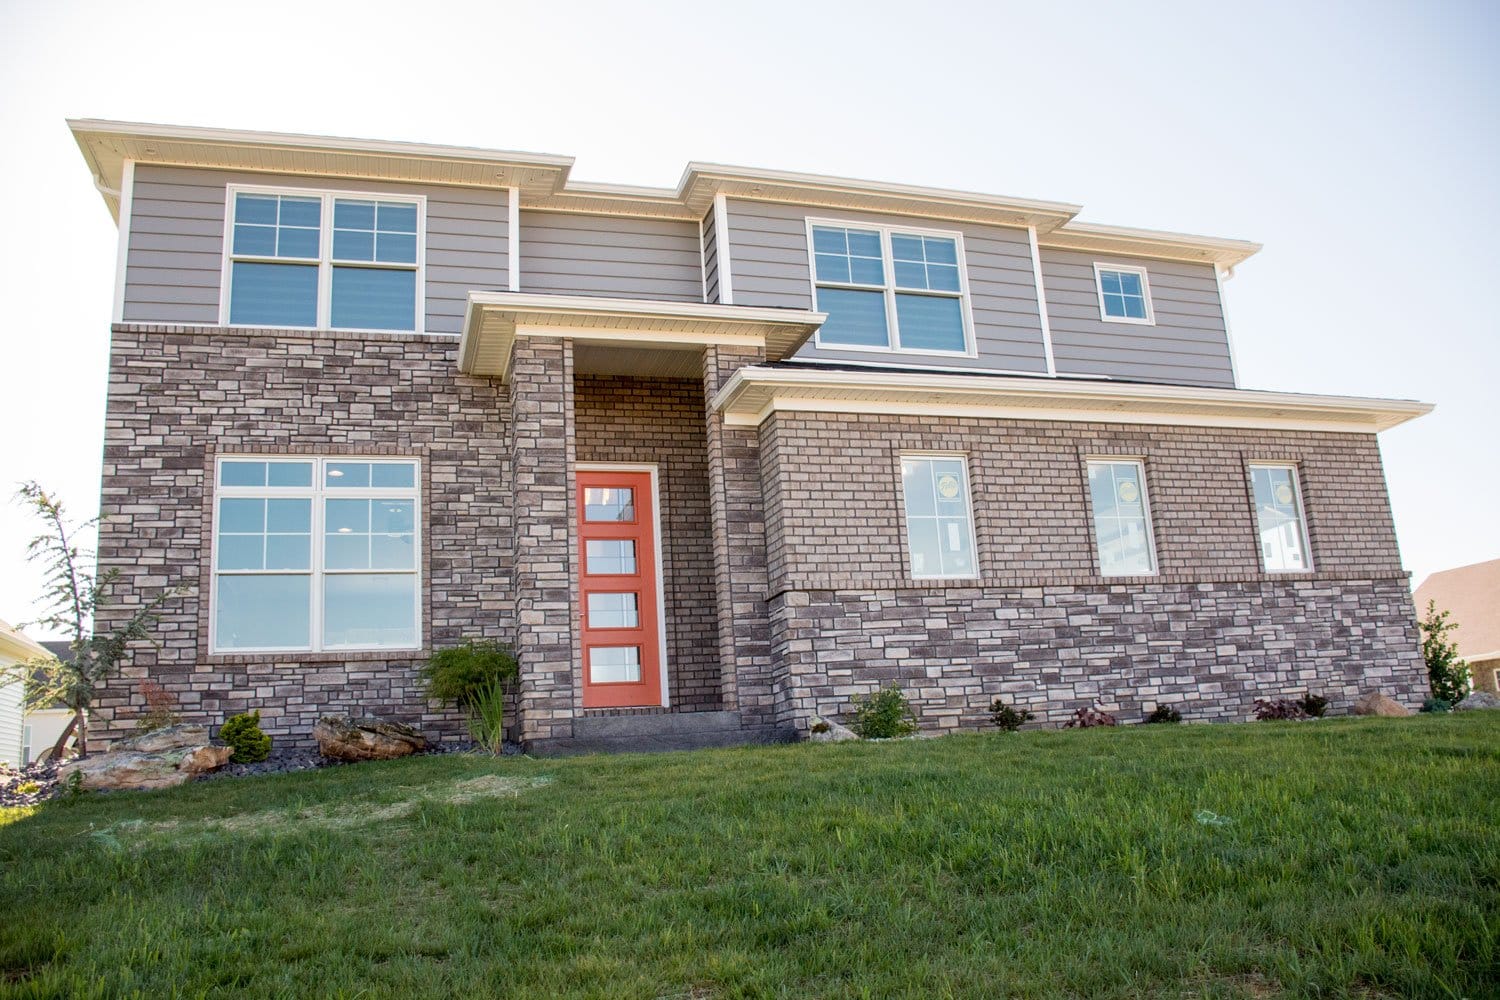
[[161, 707], [1436, 705], [884, 715], [28, 788], [243, 733], [1279, 710], [1164, 713], [1313, 705], [1446, 673], [486, 719], [1089, 718], [467, 673], [1007, 718]]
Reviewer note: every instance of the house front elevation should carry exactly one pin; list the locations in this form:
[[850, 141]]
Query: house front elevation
[[717, 459]]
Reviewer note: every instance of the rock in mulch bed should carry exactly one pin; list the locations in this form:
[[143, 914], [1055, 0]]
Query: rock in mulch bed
[[16, 784]]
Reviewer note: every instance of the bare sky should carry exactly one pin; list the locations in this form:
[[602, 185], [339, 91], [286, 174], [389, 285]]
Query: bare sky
[[1357, 141]]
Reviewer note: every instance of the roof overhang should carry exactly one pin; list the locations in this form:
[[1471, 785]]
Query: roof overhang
[[753, 393], [16, 647], [1093, 238], [495, 320], [544, 183]]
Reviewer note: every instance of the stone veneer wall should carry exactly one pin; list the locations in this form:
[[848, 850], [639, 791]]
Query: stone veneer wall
[[1211, 631], [179, 396], [627, 420]]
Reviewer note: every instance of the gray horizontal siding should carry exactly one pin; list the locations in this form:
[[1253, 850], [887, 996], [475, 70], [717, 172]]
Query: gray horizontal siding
[[710, 259], [563, 253], [1188, 343], [768, 255], [177, 231]]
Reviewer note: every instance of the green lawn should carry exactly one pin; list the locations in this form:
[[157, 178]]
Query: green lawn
[[1336, 858]]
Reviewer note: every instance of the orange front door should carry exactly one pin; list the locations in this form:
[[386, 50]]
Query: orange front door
[[617, 586]]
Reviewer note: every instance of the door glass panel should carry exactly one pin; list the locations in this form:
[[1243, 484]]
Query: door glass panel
[[613, 611], [614, 664], [609, 556], [608, 503]]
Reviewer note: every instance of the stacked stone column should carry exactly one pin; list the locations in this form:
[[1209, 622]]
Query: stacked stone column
[[542, 457], [739, 533]]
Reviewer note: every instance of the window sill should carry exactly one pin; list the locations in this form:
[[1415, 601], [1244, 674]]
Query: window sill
[[321, 656], [1128, 321]]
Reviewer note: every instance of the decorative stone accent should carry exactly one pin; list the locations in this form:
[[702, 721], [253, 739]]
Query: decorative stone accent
[[159, 759], [1477, 700], [828, 731], [343, 738], [1376, 703]]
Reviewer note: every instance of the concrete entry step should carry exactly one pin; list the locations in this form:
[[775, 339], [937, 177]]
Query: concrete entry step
[[651, 733]]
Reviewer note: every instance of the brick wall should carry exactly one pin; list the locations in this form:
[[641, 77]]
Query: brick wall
[[631, 420], [1041, 626], [180, 396]]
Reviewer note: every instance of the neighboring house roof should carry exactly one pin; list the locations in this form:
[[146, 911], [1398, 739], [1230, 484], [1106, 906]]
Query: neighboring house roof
[[60, 648], [16, 647], [1472, 595], [543, 181]]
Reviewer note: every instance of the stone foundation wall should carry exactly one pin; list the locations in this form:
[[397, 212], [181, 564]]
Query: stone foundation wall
[[1207, 650], [179, 396]]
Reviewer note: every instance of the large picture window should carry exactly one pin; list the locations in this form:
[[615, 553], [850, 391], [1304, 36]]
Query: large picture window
[[889, 289], [316, 553], [939, 519], [323, 260], [1279, 521], [1122, 517]]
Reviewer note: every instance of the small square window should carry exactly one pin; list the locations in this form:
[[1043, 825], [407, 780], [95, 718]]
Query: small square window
[[1124, 294]]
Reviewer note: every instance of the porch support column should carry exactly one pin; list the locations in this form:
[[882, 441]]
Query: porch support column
[[739, 535], [542, 456]]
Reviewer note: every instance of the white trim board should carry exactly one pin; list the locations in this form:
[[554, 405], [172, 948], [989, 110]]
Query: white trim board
[[122, 250]]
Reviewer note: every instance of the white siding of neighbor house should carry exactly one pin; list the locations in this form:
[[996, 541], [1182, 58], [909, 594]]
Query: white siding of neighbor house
[[10, 722], [175, 259]]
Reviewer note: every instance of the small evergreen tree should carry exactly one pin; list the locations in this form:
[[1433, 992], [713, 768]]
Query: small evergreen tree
[[1448, 675]]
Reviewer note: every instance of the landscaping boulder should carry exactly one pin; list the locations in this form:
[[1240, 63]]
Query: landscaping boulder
[[1376, 703], [158, 759], [343, 738], [834, 733], [1477, 699]]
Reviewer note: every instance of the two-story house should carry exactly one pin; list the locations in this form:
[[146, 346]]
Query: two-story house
[[716, 458]]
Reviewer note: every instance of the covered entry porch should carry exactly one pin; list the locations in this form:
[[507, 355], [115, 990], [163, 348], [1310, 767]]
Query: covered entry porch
[[660, 640]]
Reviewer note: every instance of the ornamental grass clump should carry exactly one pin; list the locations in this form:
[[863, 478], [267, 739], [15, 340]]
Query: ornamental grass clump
[[251, 746], [474, 675], [884, 715]]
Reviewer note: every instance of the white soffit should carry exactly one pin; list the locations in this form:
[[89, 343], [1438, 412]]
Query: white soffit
[[495, 320], [754, 393], [544, 183]]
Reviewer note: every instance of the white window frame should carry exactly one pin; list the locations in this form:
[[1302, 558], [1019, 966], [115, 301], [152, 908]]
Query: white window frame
[[945, 456], [325, 259], [1260, 554], [888, 262], [316, 493], [1099, 268], [1139, 461], [26, 736]]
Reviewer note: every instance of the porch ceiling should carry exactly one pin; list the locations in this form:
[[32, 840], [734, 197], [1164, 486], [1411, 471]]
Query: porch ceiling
[[625, 327]]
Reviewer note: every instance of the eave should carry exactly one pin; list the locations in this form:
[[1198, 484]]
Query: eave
[[755, 393], [1093, 238], [495, 320]]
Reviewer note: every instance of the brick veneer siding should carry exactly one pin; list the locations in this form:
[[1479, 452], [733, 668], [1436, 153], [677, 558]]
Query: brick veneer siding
[[1041, 626], [542, 457], [179, 396], [739, 514], [634, 420]]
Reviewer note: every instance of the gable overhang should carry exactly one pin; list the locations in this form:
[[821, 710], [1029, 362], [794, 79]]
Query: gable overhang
[[543, 182], [754, 393], [494, 321]]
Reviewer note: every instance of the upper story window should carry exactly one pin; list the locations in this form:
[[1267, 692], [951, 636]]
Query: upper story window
[[939, 519], [315, 554], [323, 260], [888, 289], [1122, 517], [1279, 520], [1124, 294]]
